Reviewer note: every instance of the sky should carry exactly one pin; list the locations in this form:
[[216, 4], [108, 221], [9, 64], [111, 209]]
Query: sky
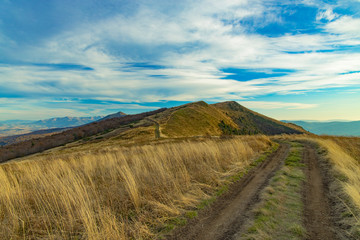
[[289, 59]]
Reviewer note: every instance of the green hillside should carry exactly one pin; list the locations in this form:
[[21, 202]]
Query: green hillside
[[250, 122], [226, 118], [195, 119]]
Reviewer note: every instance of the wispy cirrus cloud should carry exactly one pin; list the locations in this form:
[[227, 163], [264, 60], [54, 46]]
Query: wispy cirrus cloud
[[276, 105], [153, 51]]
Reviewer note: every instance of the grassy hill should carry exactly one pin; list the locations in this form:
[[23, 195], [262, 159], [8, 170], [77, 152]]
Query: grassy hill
[[226, 118], [196, 119], [189, 120], [139, 176], [250, 122]]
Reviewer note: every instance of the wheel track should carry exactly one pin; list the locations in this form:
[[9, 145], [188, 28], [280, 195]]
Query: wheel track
[[318, 220]]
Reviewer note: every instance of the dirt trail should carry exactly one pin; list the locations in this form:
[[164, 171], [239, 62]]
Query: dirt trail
[[317, 209], [228, 214]]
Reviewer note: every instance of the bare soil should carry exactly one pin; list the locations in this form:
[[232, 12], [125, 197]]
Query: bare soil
[[318, 221], [227, 216]]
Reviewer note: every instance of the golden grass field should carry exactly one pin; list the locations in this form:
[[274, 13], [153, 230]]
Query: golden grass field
[[117, 192], [347, 166]]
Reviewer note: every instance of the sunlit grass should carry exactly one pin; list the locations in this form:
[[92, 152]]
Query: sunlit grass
[[119, 192]]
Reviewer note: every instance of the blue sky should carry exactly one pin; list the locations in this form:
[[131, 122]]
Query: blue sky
[[290, 60]]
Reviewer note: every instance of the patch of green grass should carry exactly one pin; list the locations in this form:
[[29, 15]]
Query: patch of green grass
[[170, 224], [279, 214], [191, 214], [295, 155], [206, 202]]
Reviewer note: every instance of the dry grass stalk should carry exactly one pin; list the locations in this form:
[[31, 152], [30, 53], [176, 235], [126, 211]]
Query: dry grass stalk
[[119, 193]]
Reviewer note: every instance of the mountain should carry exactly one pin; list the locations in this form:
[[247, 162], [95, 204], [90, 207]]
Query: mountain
[[20, 127], [331, 128], [28, 136], [82, 133], [194, 119], [115, 115], [226, 118], [250, 122], [64, 122], [189, 120]]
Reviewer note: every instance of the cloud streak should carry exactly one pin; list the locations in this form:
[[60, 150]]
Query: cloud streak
[[276, 105], [156, 51]]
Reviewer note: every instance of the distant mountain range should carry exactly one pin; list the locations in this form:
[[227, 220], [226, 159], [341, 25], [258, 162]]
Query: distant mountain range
[[20, 127], [330, 128], [118, 114], [17, 127]]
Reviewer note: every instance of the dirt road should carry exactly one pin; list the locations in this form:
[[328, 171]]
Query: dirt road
[[228, 214], [227, 217], [317, 209]]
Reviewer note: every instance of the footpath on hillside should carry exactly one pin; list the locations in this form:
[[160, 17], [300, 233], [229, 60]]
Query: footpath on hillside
[[233, 214]]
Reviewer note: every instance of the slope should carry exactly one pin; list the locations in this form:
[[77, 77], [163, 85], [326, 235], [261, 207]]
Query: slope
[[115, 115], [194, 119], [189, 120], [28, 136], [250, 122], [74, 134]]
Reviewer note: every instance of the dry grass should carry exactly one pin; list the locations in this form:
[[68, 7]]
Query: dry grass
[[117, 193], [346, 166], [351, 145], [346, 189]]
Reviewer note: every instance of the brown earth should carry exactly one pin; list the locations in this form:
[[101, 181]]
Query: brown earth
[[318, 220], [227, 215]]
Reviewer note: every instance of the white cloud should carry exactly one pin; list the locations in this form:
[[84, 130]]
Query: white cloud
[[193, 43], [326, 14], [345, 25]]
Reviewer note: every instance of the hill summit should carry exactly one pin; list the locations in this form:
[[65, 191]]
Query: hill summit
[[189, 120], [226, 118], [250, 122]]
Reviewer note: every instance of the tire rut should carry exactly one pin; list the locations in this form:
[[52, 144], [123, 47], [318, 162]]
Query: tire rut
[[318, 220], [226, 217]]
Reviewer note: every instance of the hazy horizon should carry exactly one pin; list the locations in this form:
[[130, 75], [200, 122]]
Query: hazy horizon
[[136, 112]]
